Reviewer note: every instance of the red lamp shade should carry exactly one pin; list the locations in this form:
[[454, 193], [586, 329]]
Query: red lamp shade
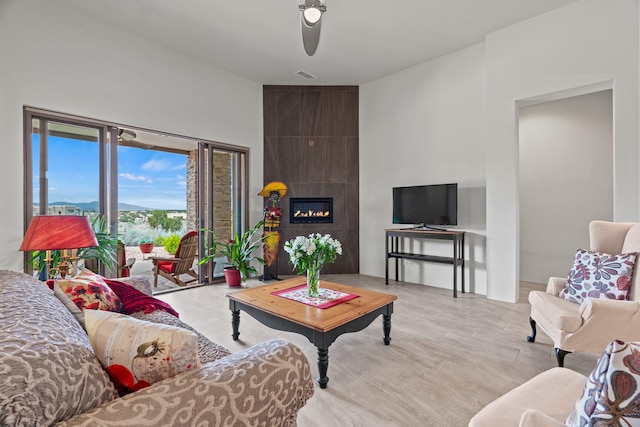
[[51, 232]]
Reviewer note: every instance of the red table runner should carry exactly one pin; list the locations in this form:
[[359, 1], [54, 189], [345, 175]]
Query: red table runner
[[327, 298]]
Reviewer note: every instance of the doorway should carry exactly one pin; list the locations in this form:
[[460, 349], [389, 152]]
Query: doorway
[[144, 183], [565, 179]]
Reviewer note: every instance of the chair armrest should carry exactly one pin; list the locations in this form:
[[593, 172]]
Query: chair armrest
[[533, 418], [141, 283], [555, 285], [609, 311], [266, 384]]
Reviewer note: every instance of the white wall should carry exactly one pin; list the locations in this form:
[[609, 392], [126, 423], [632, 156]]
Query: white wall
[[425, 125], [566, 180], [434, 122], [585, 43], [53, 58]]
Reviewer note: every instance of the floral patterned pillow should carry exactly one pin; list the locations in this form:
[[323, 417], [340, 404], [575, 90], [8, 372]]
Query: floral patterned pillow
[[136, 353], [89, 291], [599, 275], [611, 395]]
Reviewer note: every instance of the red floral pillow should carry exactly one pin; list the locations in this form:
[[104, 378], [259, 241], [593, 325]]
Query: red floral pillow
[[599, 275], [89, 291]]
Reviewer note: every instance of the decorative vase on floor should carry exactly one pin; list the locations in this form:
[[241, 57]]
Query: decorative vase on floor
[[232, 277], [313, 282]]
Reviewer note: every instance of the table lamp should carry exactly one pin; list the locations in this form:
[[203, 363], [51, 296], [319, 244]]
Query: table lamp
[[59, 232]]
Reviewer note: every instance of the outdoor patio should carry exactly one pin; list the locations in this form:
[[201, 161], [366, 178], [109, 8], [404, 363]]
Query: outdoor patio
[[144, 266]]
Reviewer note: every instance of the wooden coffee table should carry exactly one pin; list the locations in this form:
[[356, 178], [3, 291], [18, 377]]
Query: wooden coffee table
[[321, 326]]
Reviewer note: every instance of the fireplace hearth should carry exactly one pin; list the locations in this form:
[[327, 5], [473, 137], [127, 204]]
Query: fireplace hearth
[[304, 210]]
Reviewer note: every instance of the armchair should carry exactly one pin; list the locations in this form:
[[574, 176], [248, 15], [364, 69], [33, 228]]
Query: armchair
[[181, 263], [591, 325]]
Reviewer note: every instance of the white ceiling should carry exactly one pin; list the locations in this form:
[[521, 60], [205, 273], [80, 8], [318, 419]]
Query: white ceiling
[[361, 40]]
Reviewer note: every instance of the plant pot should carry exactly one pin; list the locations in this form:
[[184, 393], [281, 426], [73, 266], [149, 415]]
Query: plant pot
[[146, 248], [232, 276]]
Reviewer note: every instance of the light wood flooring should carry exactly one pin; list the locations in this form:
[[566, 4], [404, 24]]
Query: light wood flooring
[[448, 357]]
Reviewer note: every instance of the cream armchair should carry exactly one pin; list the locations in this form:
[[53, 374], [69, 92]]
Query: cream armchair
[[590, 326]]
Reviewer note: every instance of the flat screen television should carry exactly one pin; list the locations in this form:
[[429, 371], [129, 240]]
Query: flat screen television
[[426, 205]]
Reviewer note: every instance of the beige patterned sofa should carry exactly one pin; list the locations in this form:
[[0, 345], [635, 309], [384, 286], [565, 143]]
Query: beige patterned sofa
[[50, 375]]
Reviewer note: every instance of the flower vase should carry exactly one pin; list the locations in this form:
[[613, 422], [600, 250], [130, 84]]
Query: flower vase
[[313, 282]]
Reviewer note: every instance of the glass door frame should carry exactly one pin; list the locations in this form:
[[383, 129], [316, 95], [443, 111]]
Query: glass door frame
[[108, 170], [108, 161], [206, 199]]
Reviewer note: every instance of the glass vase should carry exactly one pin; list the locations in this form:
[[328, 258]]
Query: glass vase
[[313, 282]]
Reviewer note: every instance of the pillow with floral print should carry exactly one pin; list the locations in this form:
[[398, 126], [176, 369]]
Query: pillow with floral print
[[611, 396], [599, 275], [89, 291]]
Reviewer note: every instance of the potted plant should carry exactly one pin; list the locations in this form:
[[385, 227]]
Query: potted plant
[[146, 245], [107, 249], [239, 253]]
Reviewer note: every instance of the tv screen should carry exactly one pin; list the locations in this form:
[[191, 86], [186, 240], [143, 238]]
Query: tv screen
[[426, 204]]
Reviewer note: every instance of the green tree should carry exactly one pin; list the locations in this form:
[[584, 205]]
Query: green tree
[[162, 220], [156, 218]]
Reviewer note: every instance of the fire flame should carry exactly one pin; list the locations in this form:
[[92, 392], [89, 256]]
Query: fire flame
[[311, 214]]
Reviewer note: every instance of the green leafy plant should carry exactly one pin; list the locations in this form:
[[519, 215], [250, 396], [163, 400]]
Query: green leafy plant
[[171, 243], [210, 246], [107, 249], [239, 251], [145, 241]]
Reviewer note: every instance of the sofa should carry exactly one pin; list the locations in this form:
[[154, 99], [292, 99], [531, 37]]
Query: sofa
[[50, 374], [609, 396]]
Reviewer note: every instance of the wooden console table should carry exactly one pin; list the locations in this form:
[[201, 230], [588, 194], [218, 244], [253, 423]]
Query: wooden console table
[[394, 250]]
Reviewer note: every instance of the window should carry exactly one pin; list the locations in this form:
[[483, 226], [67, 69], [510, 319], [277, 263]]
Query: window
[[77, 166]]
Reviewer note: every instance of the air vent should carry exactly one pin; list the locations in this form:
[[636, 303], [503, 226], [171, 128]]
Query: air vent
[[306, 75]]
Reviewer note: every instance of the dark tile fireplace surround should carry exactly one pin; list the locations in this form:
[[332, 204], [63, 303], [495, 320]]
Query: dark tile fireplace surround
[[311, 144]]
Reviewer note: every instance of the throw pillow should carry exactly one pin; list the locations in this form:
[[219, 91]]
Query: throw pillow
[[136, 353], [611, 395], [89, 291], [599, 275], [64, 299]]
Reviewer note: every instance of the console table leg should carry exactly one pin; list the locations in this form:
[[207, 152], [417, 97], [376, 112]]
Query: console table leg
[[323, 366], [386, 328], [235, 324]]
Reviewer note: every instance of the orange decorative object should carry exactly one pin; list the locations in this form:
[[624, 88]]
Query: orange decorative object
[[270, 246], [274, 186]]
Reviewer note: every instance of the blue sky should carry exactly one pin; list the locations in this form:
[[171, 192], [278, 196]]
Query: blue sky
[[148, 178]]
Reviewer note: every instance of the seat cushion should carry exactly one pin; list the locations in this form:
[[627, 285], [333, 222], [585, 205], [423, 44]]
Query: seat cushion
[[553, 392], [561, 314], [167, 266]]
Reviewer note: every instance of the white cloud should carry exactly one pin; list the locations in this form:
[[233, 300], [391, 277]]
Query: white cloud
[[134, 177], [156, 165]]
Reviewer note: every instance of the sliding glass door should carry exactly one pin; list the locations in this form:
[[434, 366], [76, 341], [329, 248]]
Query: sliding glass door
[[145, 184]]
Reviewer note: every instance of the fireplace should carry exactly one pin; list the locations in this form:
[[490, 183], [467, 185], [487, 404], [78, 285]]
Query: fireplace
[[303, 210]]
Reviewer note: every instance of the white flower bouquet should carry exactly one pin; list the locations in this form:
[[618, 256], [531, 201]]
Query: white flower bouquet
[[309, 254]]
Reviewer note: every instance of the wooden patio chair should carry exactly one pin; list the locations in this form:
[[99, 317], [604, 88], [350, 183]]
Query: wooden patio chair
[[172, 268], [124, 263]]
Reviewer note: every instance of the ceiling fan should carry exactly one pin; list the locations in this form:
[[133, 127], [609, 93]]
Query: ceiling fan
[[311, 15], [127, 137]]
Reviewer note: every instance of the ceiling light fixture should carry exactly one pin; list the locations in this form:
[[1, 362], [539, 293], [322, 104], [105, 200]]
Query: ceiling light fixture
[[310, 21]]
